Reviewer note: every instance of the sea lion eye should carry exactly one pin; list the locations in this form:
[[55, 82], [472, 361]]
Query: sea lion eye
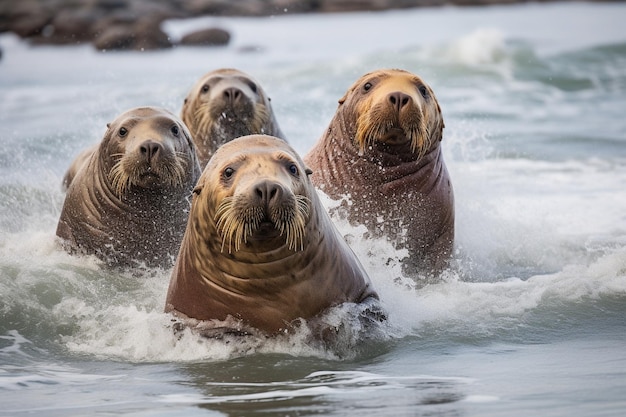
[[424, 91], [293, 169], [252, 86], [122, 132], [175, 130], [228, 172], [367, 86], [205, 88]]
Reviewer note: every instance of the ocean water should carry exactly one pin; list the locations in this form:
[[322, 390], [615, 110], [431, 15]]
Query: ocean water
[[529, 320]]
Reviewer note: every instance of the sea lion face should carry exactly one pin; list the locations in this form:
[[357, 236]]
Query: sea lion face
[[256, 191], [223, 105], [148, 148], [395, 108]]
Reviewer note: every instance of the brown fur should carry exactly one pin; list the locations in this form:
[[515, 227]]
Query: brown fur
[[225, 104], [128, 201], [259, 246], [382, 149]]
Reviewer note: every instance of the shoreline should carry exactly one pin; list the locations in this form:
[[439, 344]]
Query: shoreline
[[136, 24]]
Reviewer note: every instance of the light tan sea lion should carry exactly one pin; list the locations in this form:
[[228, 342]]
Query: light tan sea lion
[[259, 246], [129, 199], [223, 105], [382, 149]]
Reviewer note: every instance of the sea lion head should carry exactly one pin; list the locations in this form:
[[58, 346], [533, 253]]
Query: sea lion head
[[225, 104], [148, 148], [394, 108], [255, 191]]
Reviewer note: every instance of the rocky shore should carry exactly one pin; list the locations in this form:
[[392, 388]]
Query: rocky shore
[[136, 24]]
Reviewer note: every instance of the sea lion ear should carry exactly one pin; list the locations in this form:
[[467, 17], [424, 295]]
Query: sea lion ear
[[343, 99], [197, 170], [197, 190], [437, 134], [308, 171], [185, 115], [440, 125], [108, 125], [188, 138]]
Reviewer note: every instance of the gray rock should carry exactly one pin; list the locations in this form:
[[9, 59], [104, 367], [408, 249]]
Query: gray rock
[[206, 37], [145, 34], [26, 18]]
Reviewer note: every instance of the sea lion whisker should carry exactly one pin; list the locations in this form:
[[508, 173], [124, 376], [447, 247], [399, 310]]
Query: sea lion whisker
[[175, 170], [291, 221], [119, 178], [236, 225], [223, 221], [200, 115], [202, 123], [303, 204], [419, 136], [261, 118]]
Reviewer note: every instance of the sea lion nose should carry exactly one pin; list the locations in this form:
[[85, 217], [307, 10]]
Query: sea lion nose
[[398, 100], [268, 192], [232, 94], [150, 149]]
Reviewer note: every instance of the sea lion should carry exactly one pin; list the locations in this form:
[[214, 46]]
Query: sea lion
[[129, 199], [259, 246], [382, 150], [223, 105]]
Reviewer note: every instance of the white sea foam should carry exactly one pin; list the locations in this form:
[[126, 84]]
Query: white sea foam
[[328, 384], [478, 48], [134, 328]]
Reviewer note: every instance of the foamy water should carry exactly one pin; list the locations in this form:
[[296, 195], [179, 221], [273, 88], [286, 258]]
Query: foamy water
[[529, 319]]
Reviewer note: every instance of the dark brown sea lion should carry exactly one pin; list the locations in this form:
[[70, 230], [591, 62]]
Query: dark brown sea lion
[[223, 105], [129, 199], [382, 150], [259, 246]]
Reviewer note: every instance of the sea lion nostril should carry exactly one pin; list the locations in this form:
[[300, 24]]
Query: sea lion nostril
[[399, 100], [150, 149], [268, 191], [232, 94]]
